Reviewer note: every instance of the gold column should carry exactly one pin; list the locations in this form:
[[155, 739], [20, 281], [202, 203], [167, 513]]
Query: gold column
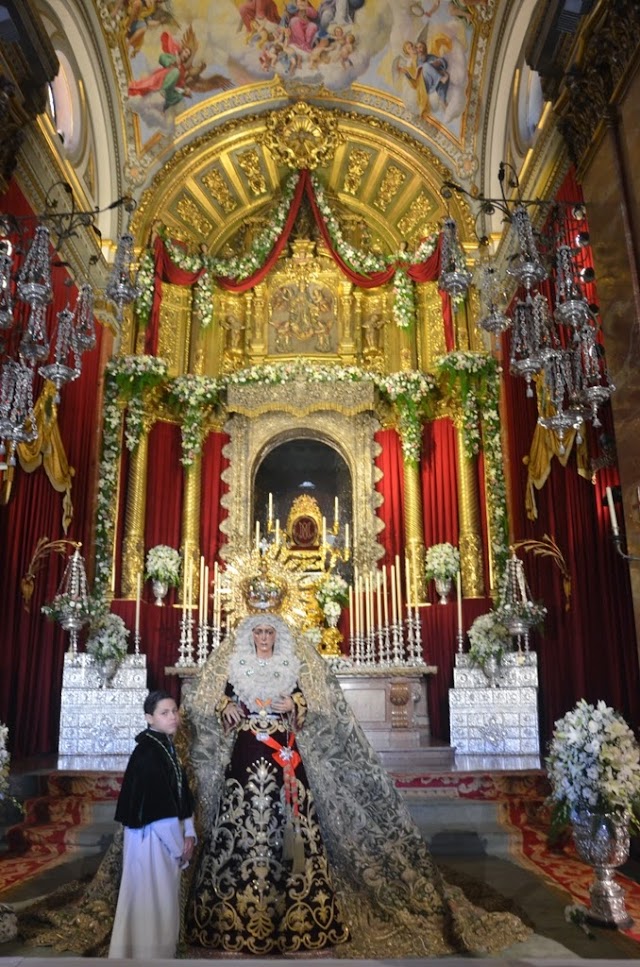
[[471, 563], [191, 523], [133, 543], [430, 328], [414, 530]]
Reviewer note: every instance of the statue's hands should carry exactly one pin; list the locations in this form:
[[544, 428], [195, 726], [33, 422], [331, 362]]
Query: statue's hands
[[232, 715], [187, 850], [283, 703]]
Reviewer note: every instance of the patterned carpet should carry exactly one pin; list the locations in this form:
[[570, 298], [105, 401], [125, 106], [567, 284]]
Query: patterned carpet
[[53, 823]]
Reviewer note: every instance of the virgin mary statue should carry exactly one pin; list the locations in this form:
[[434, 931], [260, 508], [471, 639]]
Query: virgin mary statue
[[304, 840], [304, 843]]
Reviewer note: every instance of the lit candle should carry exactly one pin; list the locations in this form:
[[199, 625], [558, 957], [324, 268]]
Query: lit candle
[[459, 598], [257, 535], [612, 513], [394, 598], [138, 594], [335, 512], [346, 537], [385, 595], [270, 507]]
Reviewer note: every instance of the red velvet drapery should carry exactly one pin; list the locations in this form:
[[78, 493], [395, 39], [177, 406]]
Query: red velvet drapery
[[391, 488], [588, 651], [165, 270], [31, 647]]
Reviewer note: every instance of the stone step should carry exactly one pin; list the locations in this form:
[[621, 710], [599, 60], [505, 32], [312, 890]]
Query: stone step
[[461, 827]]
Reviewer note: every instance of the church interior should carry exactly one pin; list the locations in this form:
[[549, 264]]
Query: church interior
[[298, 292]]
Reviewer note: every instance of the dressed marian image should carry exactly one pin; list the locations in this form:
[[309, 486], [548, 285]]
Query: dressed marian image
[[304, 843]]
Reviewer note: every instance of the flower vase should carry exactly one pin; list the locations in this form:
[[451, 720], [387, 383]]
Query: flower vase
[[443, 587], [491, 669], [106, 671], [602, 841], [160, 589]]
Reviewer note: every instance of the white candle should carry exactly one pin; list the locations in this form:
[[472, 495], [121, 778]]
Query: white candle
[[184, 583], [379, 598], [346, 537], [278, 531], [335, 512], [394, 599], [138, 594], [190, 586], [612, 513], [201, 592], [399, 587], [270, 507], [257, 535], [352, 628], [385, 595], [205, 597], [459, 598], [407, 578]]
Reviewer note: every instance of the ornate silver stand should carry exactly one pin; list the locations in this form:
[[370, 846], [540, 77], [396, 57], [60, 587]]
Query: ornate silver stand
[[602, 841]]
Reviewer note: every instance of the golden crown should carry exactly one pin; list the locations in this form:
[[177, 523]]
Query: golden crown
[[263, 593]]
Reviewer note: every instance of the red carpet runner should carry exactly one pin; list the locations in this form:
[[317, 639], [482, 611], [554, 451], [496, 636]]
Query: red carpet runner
[[48, 834]]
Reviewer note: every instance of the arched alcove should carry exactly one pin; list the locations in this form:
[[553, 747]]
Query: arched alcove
[[305, 465]]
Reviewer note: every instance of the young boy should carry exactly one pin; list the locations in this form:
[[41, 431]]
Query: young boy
[[155, 807]]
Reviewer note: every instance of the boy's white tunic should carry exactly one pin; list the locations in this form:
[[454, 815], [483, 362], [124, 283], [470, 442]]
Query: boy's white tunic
[[146, 924]]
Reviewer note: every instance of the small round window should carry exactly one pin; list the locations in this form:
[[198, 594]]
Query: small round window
[[65, 105]]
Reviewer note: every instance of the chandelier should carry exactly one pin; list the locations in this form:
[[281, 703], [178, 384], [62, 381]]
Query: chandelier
[[33, 343], [555, 332]]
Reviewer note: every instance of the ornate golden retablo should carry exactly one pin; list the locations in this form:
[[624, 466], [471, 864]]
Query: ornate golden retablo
[[302, 136]]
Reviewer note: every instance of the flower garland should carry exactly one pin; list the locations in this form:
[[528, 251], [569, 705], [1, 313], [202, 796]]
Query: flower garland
[[133, 375], [411, 392], [107, 487], [192, 395], [240, 267], [474, 379], [144, 284]]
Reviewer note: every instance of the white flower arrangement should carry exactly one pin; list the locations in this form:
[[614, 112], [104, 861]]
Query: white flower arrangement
[[332, 595], [108, 638], [531, 612], [594, 763], [488, 638], [163, 564], [442, 562]]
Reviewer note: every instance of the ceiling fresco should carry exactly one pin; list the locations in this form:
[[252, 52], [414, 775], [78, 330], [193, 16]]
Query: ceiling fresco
[[183, 64]]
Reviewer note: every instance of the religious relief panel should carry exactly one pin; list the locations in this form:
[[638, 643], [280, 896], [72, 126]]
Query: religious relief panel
[[303, 308], [232, 320]]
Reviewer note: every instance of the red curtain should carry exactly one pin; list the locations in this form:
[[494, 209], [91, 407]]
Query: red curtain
[[166, 270], [212, 513], [391, 487], [588, 651], [31, 647]]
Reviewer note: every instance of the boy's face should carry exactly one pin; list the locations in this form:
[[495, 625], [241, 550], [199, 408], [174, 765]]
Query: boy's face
[[165, 717]]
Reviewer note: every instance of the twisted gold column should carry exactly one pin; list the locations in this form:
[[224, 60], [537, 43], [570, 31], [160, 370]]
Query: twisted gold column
[[133, 543], [414, 530], [471, 563], [191, 524]]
